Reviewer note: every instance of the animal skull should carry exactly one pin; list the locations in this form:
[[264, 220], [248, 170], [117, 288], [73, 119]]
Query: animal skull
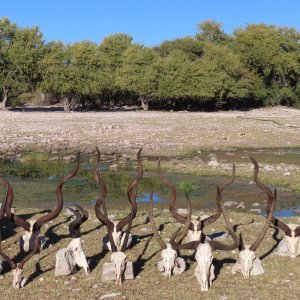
[[246, 260], [292, 242], [119, 260], [194, 235], [75, 246], [18, 281], [169, 256], [27, 240], [205, 269], [118, 237]]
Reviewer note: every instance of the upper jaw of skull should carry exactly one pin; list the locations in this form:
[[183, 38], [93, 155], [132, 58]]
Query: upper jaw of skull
[[247, 257], [119, 260], [77, 250], [204, 258], [17, 278], [169, 256], [292, 244]]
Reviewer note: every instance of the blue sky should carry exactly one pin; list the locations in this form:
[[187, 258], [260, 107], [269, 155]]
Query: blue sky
[[149, 22]]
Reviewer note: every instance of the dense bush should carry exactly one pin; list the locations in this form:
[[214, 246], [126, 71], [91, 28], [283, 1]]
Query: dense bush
[[258, 65]]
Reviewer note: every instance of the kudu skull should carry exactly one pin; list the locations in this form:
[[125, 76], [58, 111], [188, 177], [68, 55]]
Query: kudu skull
[[118, 245], [32, 228], [290, 245], [204, 248], [196, 224], [248, 263], [73, 255], [170, 263]]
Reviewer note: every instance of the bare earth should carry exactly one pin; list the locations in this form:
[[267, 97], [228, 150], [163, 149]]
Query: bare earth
[[159, 133]]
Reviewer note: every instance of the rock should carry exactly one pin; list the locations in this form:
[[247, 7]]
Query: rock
[[213, 164], [95, 286], [182, 210], [241, 205], [109, 272], [110, 295], [42, 279], [256, 204], [230, 203], [287, 174], [113, 167], [255, 210]]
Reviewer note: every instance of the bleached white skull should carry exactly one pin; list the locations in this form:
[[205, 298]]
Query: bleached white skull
[[247, 257], [119, 237], [169, 256], [119, 260], [194, 235], [17, 278], [292, 241], [204, 268], [75, 246]]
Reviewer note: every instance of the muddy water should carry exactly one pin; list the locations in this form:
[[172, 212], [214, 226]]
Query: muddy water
[[40, 192]]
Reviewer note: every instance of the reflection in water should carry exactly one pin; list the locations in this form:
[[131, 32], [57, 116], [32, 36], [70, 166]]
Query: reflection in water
[[40, 191], [146, 198]]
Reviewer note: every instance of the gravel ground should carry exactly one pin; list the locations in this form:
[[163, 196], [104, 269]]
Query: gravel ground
[[159, 133]]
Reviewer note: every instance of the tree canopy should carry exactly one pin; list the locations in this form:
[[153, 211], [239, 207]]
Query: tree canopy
[[255, 66]]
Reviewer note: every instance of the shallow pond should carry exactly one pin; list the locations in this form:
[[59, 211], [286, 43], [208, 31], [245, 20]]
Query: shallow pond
[[40, 192]]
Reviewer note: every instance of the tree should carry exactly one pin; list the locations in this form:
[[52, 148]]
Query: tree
[[190, 46], [212, 31], [137, 74], [21, 49], [219, 76], [274, 54], [72, 71], [111, 50]]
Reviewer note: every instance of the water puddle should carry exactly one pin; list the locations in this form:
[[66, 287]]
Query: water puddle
[[35, 185]]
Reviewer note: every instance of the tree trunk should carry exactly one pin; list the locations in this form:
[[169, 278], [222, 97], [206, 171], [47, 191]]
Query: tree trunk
[[70, 104], [144, 102], [4, 99]]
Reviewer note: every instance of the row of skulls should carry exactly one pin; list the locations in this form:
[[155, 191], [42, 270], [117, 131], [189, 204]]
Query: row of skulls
[[189, 236]]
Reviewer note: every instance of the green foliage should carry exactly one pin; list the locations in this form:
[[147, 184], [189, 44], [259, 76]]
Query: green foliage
[[187, 187], [20, 51], [257, 65]]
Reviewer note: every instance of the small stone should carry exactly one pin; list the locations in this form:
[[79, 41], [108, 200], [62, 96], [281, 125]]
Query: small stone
[[110, 295], [213, 163], [95, 286], [287, 174], [241, 205], [66, 282], [256, 204], [1, 277], [42, 279], [255, 210]]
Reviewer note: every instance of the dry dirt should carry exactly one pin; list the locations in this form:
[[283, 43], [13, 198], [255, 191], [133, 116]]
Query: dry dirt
[[159, 133]]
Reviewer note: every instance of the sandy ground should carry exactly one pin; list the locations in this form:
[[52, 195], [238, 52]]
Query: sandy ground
[[159, 133]]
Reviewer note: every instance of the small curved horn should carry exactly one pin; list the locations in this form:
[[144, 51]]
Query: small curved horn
[[284, 227], [172, 201], [132, 197], [216, 216], [217, 245], [103, 217], [264, 230], [55, 212], [8, 204], [81, 216], [153, 225]]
